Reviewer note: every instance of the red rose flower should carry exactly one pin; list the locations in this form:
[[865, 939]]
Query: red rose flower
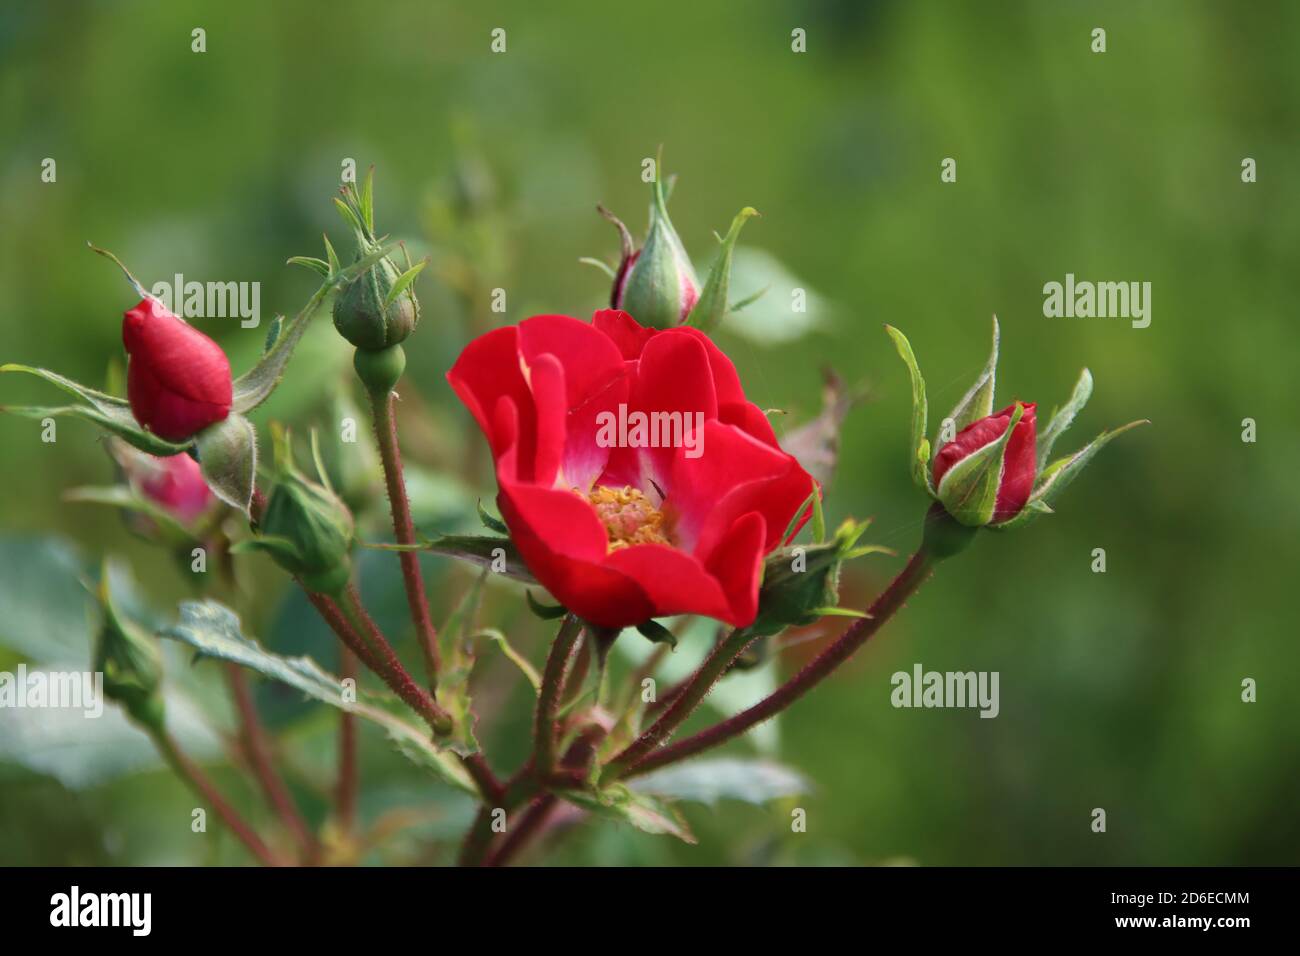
[[624, 530], [178, 379], [1018, 467]]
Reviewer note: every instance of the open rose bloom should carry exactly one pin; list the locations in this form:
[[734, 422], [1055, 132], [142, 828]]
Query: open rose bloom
[[621, 531]]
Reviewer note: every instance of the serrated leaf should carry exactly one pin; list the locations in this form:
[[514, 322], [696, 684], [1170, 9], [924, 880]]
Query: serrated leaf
[[1063, 417], [977, 403], [456, 639], [644, 811], [920, 447], [724, 778], [213, 631]]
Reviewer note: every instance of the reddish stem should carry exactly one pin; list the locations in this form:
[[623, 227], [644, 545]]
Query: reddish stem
[[884, 607], [198, 781], [404, 530], [257, 748]]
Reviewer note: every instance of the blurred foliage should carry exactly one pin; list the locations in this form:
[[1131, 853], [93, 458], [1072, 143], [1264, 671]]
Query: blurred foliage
[[1119, 690]]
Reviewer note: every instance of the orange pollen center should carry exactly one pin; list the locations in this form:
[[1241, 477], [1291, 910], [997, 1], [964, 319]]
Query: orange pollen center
[[628, 516]]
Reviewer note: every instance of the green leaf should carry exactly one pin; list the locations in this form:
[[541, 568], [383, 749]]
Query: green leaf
[[969, 489], [977, 403], [764, 310], [707, 781], [213, 630], [711, 306], [46, 610], [1062, 418], [482, 551], [524, 665], [642, 810], [457, 639], [920, 449], [256, 385]]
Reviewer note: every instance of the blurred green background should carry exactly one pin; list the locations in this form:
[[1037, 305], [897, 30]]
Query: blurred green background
[[1119, 690]]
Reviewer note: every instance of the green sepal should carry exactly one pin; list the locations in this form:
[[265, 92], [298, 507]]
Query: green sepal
[[1063, 417], [106, 411], [656, 632], [512, 655], [711, 306], [969, 489], [547, 612], [977, 403], [130, 661], [920, 448], [1058, 475], [227, 453]]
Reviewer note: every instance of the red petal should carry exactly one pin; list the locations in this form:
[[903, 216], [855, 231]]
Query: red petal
[[675, 582], [737, 563]]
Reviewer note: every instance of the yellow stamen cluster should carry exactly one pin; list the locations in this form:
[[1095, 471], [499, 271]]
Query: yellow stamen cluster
[[628, 516]]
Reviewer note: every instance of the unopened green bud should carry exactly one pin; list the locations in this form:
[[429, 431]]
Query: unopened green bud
[[378, 308], [130, 661], [657, 285], [306, 528]]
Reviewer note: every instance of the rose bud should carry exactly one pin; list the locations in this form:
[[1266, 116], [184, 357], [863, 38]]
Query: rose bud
[[657, 284], [174, 484], [178, 379], [986, 473], [130, 661], [377, 309], [619, 529], [994, 472], [306, 529]]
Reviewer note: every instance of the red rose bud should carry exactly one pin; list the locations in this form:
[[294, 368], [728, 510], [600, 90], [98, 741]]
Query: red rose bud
[[178, 379], [657, 284], [984, 476], [175, 484]]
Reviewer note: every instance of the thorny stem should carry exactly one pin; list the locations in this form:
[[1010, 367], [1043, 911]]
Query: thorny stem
[[201, 785], [404, 530], [391, 669], [257, 748], [548, 698], [884, 607], [684, 700], [345, 797]]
